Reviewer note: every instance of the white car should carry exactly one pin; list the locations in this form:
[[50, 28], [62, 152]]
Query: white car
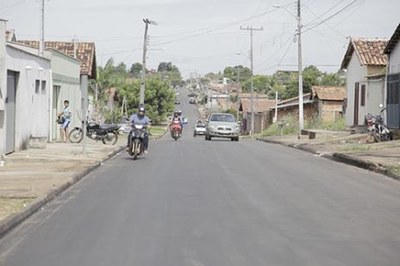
[[222, 125], [199, 129]]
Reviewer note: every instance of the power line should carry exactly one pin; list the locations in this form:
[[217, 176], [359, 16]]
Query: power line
[[328, 18]]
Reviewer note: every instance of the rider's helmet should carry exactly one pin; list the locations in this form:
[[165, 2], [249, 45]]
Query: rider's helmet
[[179, 113], [141, 111], [176, 115]]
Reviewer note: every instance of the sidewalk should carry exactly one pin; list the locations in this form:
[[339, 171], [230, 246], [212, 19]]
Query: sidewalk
[[354, 149]]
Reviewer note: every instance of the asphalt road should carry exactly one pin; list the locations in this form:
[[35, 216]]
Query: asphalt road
[[196, 202]]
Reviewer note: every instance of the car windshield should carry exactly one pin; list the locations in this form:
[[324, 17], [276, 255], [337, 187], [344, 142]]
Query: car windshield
[[222, 118], [200, 126]]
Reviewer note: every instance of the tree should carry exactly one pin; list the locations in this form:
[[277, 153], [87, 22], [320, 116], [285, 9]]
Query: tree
[[331, 79], [135, 70], [244, 73]]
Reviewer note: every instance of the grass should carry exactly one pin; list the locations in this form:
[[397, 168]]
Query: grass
[[339, 124], [157, 130], [12, 205], [290, 127]]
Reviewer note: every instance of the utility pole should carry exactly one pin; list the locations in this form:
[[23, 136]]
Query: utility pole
[[142, 85], [300, 69], [251, 29], [41, 43]]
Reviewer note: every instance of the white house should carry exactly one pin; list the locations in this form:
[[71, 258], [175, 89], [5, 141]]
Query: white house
[[393, 80], [365, 65], [25, 82]]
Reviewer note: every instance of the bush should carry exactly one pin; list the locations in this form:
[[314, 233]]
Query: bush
[[290, 127]]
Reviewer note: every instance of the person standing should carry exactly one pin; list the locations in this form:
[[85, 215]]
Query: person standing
[[66, 116]]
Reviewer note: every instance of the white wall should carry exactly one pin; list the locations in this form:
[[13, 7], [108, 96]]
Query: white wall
[[32, 109], [66, 75], [375, 95], [355, 73]]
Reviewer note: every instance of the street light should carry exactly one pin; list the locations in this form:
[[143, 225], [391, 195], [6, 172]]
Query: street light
[[142, 85], [299, 63]]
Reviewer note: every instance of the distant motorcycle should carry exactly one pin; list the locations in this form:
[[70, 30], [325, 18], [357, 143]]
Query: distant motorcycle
[[107, 133], [176, 129], [377, 128], [136, 146]]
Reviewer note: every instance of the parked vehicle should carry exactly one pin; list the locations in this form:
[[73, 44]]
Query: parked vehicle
[[136, 146], [377, 128], [222, 125], [107, 133], [199, 129]]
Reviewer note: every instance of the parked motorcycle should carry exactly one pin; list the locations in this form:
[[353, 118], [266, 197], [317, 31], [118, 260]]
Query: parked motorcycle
[[377, 128], [176, 129], [136, 146], [107, 133]]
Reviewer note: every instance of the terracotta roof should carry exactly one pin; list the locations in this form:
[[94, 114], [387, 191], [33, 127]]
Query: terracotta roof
[[85, 52], [393, 41], [260, 105], [369, 52], [329, 93]]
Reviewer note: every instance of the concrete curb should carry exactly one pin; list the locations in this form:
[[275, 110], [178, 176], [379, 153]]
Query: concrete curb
[[340, 157], [13, 220]]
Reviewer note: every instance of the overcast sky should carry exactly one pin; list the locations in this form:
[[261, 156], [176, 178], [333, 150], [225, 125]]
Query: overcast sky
[[204, 35]]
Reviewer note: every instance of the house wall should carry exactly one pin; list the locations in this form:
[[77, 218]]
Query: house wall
[[375, 95], [355, 73], [330, 111], [66, 76], [309, 110], [32, 106]]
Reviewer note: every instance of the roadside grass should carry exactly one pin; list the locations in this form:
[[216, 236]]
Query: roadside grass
[[157, 130], [356, 147], [394, 170], [289, 126], [12, 205], [337, 125]]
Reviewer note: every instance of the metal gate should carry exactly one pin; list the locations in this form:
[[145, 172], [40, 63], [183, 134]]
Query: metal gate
[[393, 101], [10, 110]]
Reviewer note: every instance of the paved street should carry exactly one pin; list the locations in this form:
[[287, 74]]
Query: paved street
[[195, 202]]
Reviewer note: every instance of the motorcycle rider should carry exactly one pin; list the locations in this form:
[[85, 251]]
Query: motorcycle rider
[[176, 117], [140, 119]]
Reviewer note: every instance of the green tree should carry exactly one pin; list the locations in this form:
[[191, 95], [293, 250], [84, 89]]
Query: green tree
[[135, 70]]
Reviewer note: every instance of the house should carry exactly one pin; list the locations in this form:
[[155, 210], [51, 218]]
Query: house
[[290, 107], [329, 107], [365, 65], [25, 82], [261, 107], [392, 51], [73, 64]]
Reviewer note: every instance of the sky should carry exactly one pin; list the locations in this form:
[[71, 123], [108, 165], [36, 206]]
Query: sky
[[202, 36]]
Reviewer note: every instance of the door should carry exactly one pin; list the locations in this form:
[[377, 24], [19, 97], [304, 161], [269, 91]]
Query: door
[[10, 110], [356, 102], [393, 101], [54, 110]]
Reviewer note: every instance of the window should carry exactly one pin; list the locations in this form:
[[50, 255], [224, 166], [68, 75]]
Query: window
[[43, 86], [363, 94], [37, 86]]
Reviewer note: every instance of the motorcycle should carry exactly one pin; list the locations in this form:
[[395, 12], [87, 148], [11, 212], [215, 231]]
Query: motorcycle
[[136, 145], [176, 129], [108, 134], [377, 128]]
